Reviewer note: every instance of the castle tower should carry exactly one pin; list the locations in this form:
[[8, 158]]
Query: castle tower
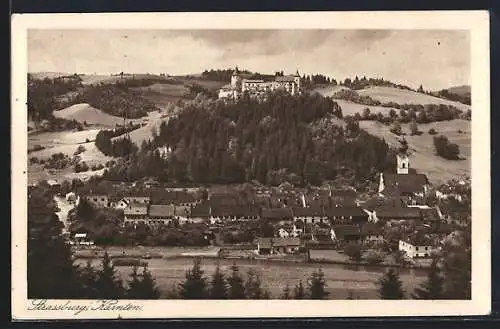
[[236, 79], [296, 79]]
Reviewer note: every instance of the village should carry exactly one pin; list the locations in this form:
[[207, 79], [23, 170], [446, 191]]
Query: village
[[405, 223]]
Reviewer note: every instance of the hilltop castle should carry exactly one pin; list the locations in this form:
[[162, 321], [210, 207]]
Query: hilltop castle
[[258, 88]]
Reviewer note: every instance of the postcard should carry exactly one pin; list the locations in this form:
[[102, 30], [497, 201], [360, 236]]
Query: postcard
[[278, 164]]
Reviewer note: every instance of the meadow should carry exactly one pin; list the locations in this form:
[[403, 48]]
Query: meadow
[[422, 153]]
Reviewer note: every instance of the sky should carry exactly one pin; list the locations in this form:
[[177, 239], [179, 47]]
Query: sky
[[435, 59]]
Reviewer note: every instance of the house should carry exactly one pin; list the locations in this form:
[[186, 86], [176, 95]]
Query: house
[[223, 199], [283, 233], [178, 198], [160, 214], [266, 246], [322, 234], [277, 215], [430, 214], [97, 200], [372, 233], [397, 214], [346, 214], [119, 204], [233, 213], [200, 213], [309, 215], [346, 233], [137, 197], [135, 213], [417, 245]]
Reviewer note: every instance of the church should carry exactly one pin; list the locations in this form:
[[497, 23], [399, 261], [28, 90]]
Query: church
[[258, 88], [405, 182]]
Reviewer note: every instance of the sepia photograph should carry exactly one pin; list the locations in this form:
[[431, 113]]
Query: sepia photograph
[[307, 161]]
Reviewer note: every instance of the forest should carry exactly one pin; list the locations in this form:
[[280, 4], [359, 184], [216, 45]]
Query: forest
[[296, 139]]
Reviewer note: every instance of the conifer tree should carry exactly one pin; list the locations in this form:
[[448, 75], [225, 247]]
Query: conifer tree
[[218, 287], [236, 284], [390, 286], [195, 285], [432, 288], [299, 291], [88, 277], [286, 292], [134, 283], [253, 289], [317, 285], [108, 285], [142, 286]]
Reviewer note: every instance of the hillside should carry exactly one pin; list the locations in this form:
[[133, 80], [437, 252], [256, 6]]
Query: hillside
[[402, 96], [328, 90], [163, 94], [85, 113], [423, 156], [460, 90]]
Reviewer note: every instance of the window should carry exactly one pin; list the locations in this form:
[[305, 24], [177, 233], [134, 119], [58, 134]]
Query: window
[[403, 165]]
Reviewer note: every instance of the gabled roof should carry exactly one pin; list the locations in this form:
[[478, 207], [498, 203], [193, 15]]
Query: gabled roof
[[371, 229], [277, 213], [201, 210], [405, 183], [430, 214], [238, 211], [160, 210], [345, 211], [398, 212], [278, 242], [285, 242], [343, 230], [286, 78], [308, 211], [419, 239], [135, 208]]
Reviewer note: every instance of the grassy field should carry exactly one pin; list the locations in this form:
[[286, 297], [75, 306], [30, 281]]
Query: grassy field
[[423, 157], [85, 113], [275, 276], [67, 142], [402, 96], [350, 108], [328, 90], [163, 94]]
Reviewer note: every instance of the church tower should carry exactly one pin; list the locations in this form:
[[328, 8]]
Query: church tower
[[403, 161]]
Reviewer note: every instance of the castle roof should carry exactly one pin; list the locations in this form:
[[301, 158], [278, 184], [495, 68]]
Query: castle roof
[[288, 78]]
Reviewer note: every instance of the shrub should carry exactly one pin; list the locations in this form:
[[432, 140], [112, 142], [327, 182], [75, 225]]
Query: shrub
[[79, 149], [432, 131], [374, 257], [445, 149], [353, 251], [396, 129]]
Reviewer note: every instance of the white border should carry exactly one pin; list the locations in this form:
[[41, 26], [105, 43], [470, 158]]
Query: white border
[[477, 22]]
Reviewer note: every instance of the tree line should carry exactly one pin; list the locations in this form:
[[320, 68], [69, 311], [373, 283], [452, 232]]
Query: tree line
[[407, 112], [120, 147]]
